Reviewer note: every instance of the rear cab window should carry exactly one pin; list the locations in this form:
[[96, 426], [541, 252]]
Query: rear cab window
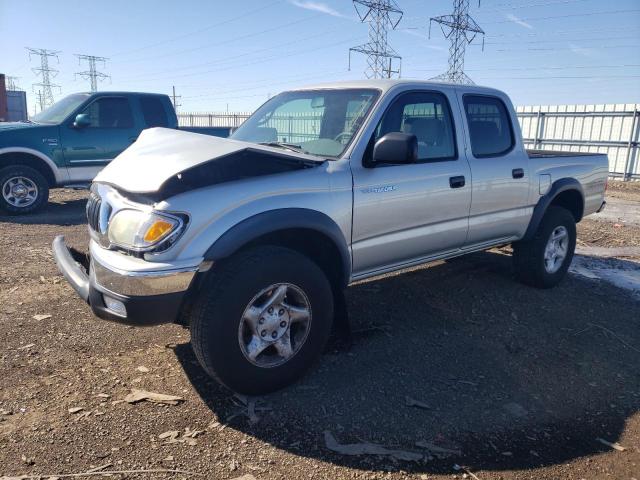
[[153, 112], [490, 129]]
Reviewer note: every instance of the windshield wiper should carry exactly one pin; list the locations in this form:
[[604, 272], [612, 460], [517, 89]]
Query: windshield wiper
[[289, 146]]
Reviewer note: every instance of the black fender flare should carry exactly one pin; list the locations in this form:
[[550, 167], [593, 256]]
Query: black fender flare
[[559, 186], [273, 221]]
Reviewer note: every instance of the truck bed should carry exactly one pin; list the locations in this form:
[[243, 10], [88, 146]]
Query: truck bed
[[555, 153]]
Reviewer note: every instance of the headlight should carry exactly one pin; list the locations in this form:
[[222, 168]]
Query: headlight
[[137, 230]]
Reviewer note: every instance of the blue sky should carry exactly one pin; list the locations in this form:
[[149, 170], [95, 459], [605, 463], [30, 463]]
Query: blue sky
[[222, 54]]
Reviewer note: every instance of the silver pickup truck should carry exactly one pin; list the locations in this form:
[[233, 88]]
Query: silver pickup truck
[[251, 241]]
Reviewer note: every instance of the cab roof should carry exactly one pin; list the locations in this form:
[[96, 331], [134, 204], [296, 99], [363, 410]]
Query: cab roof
[[387, 84]]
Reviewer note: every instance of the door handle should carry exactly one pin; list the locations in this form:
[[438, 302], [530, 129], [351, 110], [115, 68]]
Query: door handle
[[457, 182], [517, 173]]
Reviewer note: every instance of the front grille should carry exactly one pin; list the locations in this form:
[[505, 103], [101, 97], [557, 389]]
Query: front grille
[[93, 211]]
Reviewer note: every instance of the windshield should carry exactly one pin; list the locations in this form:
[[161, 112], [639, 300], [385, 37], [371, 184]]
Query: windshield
[[319, 122], [57, 112]]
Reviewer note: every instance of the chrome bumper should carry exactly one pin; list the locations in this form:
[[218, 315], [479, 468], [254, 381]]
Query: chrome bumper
[[147, 297], [141, 283]]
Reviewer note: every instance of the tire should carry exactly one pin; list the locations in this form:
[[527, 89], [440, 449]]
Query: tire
[[22, 177], [222, 338], [529, 256]]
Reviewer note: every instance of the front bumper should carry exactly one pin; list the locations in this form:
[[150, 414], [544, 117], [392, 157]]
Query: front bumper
[[134, 298]]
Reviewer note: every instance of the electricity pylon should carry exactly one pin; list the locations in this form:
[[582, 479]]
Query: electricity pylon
[[382, 16], [46, 73], [12, 84], [92, 74], [460, 29]]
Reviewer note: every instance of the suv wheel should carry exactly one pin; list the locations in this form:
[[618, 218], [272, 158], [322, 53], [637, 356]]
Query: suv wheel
[[261, 318], [22, 190], [544, 260]]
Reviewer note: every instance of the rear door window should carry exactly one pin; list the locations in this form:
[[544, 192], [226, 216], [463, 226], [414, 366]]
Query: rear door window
[[154, 112], [490, 129]]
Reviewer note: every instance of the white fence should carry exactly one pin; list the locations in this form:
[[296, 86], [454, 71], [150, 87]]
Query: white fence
[[213, 119], [611, 129]]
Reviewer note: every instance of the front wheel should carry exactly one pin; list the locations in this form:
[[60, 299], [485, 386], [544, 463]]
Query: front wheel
[[261, 318], [544, 260], [22, 190]]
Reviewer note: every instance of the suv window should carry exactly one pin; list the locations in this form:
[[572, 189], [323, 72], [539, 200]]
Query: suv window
[[153, 112], [490, 128], [110, 112], [427, 116]]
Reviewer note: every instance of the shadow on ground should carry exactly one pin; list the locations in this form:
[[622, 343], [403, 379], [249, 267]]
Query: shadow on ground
[[61, 212], [514, 377]]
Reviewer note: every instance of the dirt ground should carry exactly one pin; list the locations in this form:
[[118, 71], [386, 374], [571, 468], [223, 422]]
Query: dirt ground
[[454, 368]]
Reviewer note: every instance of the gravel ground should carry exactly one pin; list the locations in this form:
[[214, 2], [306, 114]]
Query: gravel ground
[[512, 382]]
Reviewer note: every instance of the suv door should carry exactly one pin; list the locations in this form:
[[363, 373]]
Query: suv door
[[499, 167], [110, 131], [404, 214]]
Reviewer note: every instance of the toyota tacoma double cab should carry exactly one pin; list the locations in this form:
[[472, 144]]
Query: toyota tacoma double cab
[[251, 241], [67, 144]]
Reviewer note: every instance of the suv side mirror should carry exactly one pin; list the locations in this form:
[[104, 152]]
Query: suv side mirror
[[82, 120], [395, 148]]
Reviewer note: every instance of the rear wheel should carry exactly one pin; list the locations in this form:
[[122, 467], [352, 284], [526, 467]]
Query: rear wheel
[[261, 319], [544, 260], [22, 190]]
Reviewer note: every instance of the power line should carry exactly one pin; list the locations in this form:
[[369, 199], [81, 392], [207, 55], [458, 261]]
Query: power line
[[532, 5], [92, 74], [461, 29], [233, 58], [45, 95], [552, 17], [227, 41], [255, 62], [593, 39], [382, 16], [565, 67], [253, 11]]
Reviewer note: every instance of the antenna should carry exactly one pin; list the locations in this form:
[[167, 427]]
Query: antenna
[[46, 73], [460, 29], [92, 74], [382, 16]]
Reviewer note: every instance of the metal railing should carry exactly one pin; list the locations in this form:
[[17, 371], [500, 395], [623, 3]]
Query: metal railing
[[610, 129]]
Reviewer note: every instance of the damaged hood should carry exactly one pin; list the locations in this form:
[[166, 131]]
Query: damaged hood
[[174, 160]]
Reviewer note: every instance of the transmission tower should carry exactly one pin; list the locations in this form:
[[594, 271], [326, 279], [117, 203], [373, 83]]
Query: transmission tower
[[460, 29], [46, 73], [12, 84], [382, 16], [92, 74]]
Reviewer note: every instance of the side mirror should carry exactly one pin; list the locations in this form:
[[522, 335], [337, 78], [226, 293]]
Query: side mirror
[[82, 120], [395, 148]]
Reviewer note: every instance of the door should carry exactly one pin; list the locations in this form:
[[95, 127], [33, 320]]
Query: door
[[89, 148], [405, 213], [499, 168]]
